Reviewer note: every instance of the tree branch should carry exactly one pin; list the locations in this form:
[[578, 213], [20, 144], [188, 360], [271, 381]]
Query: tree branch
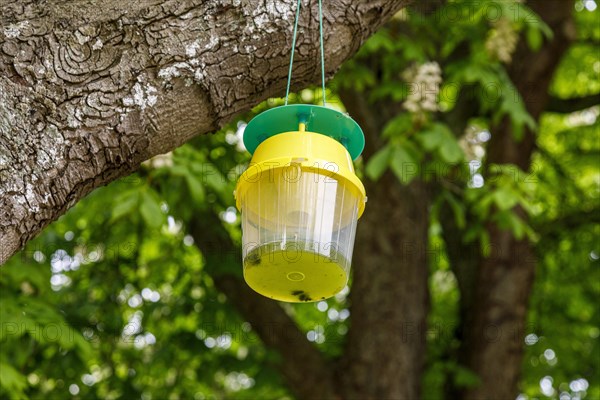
[[590, 41], [568, 222], [567, 106], [89, 92]]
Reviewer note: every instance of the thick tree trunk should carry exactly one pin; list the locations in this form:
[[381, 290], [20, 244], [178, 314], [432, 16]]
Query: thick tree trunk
[[493, 335], [385, 349], [88, 90]]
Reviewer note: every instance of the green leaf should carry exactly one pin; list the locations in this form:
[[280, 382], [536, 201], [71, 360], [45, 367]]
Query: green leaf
[[510, 221], [178, 170], [12, 380], [150, 210], [431, 139], [378, 163], [505, 199], [479, 73], [457, 208], [380, 41], [533, 20], [210, 175], [403, 165], [484, 242], [464, 377], [195, 187], [482, 206], [451, 151], [84, 347], [534, 38], [449, 94], [398, 126], [24, 273], [439, 136], [126, 203], [512, 105]]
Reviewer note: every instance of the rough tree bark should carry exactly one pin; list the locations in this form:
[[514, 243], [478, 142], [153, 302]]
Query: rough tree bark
[[88, 90]]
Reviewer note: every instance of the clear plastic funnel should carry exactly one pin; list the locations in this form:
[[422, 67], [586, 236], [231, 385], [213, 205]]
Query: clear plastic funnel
[[298, 234]]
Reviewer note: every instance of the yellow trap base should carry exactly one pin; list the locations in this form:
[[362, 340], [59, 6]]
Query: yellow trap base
[[294, 276]]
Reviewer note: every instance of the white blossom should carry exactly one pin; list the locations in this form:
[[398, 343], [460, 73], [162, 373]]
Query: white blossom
[[424, 82], [502, 40]]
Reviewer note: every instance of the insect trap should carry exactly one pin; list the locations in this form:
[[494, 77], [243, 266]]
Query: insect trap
[[300, 198]]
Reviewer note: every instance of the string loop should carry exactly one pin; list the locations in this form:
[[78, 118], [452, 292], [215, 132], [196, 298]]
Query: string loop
[[289, 80], [322, 51]]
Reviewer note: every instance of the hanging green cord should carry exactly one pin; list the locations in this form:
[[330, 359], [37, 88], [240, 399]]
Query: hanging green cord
[[287, 91], [322, 51]]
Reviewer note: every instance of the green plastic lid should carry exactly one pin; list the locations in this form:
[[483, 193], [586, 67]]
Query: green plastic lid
[[323, 120]]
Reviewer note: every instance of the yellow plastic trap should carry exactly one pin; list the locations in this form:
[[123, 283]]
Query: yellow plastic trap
[[300, 201]]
